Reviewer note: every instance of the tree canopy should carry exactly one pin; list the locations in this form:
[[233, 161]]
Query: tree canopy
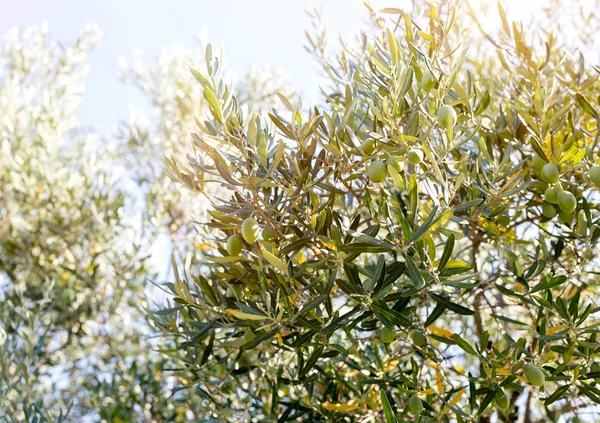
[[421, 245]]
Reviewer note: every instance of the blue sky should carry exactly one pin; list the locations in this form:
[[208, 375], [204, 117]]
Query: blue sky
[[252, 32]]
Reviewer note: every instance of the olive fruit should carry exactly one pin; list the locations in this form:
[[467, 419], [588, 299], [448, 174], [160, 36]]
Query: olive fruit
[[417, 337], [537, 162], [565, 218], [368, 146], [447, 116], [501, 398], [550, 173], [428, 81], [387, 335], [377, 171], [393, 162], [415, 156], [269, 234], [250, 230], [234, 245], [551, 195], [567, 202], [415, 405], [534, 375], [548, 210], [595, 175]]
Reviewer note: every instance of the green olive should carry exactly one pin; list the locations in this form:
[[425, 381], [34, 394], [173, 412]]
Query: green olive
[[387, 335], [415, 156], [377, 171], [567, 202], [550, 173], [269, 234], [551, 195], [548, 210], [447, 116], [368, 146], [428, 81], [250, 230], [417, 337], [595, 175], [565, 218], [234, 245], [415, 405], [501, 398], [537, 162], [534, 375], [393, 162]]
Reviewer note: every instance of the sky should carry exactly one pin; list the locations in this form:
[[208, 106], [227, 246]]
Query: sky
[[252, 32]]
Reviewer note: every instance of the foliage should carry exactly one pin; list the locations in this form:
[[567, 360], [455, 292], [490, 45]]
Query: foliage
[[80, 216], [453, 247]]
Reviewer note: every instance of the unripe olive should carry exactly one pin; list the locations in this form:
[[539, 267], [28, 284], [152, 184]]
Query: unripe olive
[[368, 146], [550, 173], [501, 398], [415, 405], [387, 335], [595, 368], [565, 218], [428, 81], [548, 210], [567, 202], [595, 175], [534, 375], [550, 195], [377, 171], [417, 337], [393, 162], [250, 230], [537, 162], [447, 116], [234, 245], [415, 156], [269, 234]]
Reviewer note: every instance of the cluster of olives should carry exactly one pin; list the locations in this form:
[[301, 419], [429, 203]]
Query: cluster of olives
[[554, 196], [388, 336], [377, 169], [250, 232]]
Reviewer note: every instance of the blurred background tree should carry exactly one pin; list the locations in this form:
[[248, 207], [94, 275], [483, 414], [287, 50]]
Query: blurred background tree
[[81, 214]]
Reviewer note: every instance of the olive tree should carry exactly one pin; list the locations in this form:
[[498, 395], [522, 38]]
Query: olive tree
[[422, 247]]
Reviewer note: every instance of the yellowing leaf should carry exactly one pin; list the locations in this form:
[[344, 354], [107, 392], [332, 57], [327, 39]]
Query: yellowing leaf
[[555, 329], [439, 331], [275, 262], [246, 316], [439, 381]]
